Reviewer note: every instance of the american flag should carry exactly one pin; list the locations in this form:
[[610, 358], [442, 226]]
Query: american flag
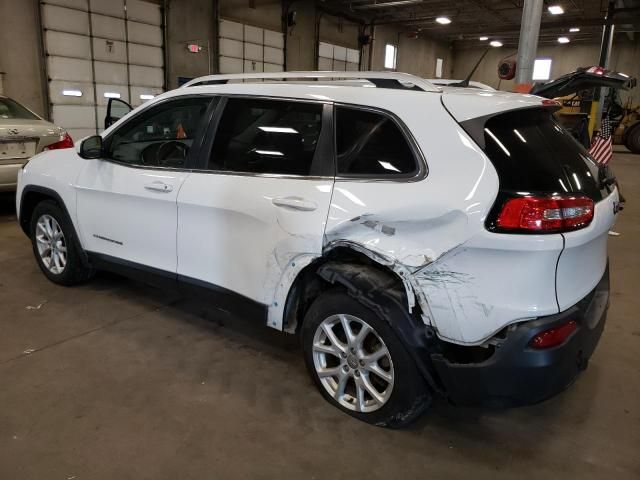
[[602, 145]]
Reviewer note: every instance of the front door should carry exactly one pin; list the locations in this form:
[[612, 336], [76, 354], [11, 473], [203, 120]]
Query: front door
[[126, 202], [261, 200]]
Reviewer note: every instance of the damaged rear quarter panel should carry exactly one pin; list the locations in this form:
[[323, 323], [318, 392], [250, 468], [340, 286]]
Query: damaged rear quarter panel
[[411, 225]]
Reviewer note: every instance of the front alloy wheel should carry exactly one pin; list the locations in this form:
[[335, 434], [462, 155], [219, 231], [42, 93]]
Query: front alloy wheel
[[353, 363], [55, 246], [51, 244]]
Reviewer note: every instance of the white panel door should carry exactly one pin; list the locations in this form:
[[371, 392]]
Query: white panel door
[[100, 49], [335, 57], [247, 48]]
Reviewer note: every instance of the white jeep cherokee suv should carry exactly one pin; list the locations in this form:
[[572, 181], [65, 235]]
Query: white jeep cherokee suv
[[419, 239]]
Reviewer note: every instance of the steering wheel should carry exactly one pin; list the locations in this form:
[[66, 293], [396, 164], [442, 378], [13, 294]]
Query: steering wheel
[[172, 152]]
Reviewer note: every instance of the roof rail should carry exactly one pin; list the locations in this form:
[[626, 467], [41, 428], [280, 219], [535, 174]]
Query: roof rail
[[395, 80]]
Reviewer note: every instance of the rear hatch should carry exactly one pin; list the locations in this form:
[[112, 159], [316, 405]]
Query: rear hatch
[[582, 79], [557, 186]]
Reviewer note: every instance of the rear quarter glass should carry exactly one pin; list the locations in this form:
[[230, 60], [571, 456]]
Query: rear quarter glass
[[532, 153]]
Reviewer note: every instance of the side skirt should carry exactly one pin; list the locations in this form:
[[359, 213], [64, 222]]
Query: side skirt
[[220, 297]]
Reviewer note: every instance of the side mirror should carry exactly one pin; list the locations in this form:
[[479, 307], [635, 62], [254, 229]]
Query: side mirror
[[91, 147], [116, 109]]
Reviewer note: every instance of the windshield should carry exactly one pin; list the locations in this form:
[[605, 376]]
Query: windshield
[[533, 153], [10, 110]]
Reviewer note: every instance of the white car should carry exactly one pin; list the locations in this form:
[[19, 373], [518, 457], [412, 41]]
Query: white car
[[420, 240]]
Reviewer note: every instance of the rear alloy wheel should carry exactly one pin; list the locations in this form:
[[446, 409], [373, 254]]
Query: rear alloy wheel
[[353, 363], [359, 364]]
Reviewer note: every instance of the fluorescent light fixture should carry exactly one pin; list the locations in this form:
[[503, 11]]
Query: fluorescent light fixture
[[484, 39], [390, 52], [542, 69], [495, 43], [273, 153], [396, 3], [556, 10], [574, 29], [278, 129], [145, 96], [111, 95], [443, 20], [563, 40], [72, 93]]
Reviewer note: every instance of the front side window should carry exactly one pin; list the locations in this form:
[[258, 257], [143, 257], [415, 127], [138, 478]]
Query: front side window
[[161, 136], [371, 144], [266, 136]]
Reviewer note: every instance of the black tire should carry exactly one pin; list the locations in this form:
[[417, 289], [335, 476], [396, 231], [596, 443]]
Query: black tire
[[410, 395], [74, 271], [632, 138]]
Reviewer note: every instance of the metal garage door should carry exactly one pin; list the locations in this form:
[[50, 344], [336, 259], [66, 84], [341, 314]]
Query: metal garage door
[[245, 49], [337, 58], [97, 49]]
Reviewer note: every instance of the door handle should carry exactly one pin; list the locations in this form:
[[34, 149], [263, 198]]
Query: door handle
[[159, 187], [295, 203]]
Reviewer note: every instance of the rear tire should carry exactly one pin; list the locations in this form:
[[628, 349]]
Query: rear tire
[[367, 372], [55, 245], [632, 138]]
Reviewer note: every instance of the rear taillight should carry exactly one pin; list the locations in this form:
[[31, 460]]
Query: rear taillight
[[554, 336], [64, 142], [545, 214]]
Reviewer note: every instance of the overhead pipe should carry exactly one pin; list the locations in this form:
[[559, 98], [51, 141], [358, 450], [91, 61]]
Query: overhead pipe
[[528, 44], [595, 115]]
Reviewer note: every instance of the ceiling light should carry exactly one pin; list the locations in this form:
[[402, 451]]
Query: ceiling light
[[443, 20], [563, 40], [144, 96], [495, 43], [482, 39], [555, 10], [574, 29], [395, 3], [111, 95], [72, 93]]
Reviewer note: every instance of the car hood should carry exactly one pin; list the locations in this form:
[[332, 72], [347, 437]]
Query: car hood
[[32, 128], [582, 79]]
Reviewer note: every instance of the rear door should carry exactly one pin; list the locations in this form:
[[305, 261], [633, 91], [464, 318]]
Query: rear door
[[260, 199], [581, 79]]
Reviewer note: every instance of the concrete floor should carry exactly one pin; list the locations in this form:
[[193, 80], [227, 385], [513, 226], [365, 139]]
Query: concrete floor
[[117, 380]]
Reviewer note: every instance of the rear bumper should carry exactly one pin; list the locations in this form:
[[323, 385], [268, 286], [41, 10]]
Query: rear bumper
[[9, 174], [516, 374]]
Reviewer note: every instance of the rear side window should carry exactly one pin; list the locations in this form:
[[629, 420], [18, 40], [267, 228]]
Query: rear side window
[[267, 136], [10, 109], [371, 144], [533, 153]]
